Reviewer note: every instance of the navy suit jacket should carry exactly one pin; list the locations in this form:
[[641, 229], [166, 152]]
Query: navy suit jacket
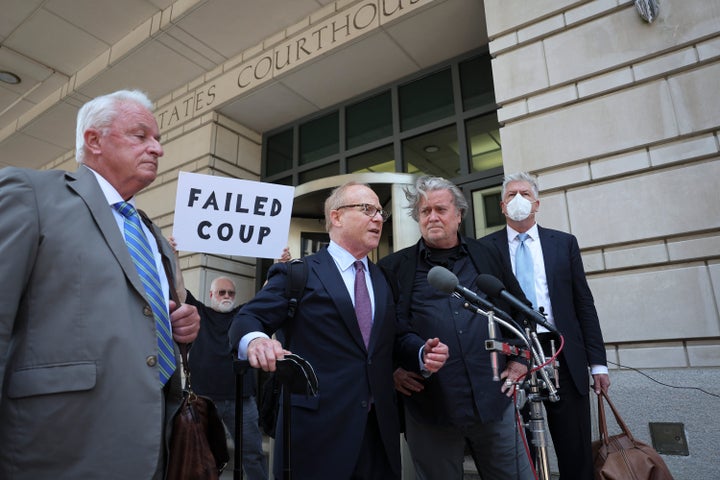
[[572, 302], [327, 430], [467, 374]]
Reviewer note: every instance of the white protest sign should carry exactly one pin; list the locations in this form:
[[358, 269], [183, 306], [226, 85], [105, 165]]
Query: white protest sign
[[232, 217]]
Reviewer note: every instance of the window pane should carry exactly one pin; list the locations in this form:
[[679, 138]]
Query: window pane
[[320, 172], [483, 136], [378, 160], [487, 212], [279, 152], [284, 181], [426, 100], [476, 82], [368, 120], [434, 153], [319, 138]]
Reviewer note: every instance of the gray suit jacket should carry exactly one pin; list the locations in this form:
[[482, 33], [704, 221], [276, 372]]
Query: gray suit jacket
[[79, 397]]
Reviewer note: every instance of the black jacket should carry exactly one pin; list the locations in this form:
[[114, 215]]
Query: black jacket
[[463, 391]]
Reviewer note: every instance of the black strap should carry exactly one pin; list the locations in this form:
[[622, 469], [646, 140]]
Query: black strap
[[295, 285], [297, 274]]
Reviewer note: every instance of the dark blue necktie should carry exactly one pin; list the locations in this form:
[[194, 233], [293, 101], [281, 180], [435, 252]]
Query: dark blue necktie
[[363, 307], [144, 262], [524, 270]]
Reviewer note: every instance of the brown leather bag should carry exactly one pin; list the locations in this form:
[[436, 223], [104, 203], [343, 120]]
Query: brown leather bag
[[621, 457], [198, 447]]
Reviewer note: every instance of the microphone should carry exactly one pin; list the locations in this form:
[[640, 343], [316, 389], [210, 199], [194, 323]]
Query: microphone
[[495, 288], [444, 280]]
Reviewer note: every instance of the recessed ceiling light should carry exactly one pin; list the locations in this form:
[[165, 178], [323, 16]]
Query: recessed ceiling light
[[9, 77], [431, 148]]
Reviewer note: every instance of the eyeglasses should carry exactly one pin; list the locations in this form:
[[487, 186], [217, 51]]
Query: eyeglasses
[[369, 210], [222, 293]]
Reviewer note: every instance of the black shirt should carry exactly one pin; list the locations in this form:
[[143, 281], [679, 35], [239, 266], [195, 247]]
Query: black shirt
[[210, 360], [436, 314]]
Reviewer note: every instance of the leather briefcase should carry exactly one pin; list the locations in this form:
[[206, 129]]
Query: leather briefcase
[[621, 456]]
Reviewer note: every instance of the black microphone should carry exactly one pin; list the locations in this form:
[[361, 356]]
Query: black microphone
[[446, 281], [495, 288]]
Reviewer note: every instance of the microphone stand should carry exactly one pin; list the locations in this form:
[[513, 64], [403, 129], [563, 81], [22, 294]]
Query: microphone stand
[[536, 422], [533, 385]]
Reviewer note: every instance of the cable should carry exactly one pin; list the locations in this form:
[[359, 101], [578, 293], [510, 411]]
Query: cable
[[665, 384], [523, 437]]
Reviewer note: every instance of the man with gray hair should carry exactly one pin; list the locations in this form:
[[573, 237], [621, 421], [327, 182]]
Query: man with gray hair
[[556, 284], [461, 404], [88, 361]]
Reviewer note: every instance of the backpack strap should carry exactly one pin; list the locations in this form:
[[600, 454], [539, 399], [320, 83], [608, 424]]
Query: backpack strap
[[297, 274], [295, 285]]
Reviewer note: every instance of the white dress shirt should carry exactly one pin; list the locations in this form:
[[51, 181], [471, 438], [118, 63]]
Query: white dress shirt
[[542, 293]]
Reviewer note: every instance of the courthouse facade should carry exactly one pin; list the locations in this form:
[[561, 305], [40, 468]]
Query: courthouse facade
[[618, 117]]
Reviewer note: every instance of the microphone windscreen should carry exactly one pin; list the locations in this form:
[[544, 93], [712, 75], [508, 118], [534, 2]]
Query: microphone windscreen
[[442, 279], [490, 285]]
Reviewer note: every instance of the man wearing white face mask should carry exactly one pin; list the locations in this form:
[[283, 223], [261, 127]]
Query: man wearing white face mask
[[556, 284]]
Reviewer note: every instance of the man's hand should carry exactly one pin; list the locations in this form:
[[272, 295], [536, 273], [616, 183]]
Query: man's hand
[[407, 382], [285, 257], [264, 352], [435, 354], [185, 322], [601, 381], [512, 373], [173, 244]]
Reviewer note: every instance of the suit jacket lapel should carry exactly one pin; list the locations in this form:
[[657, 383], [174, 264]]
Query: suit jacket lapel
[[504, 247], [406, 274], [83, 182], [499, 239], [379, 290]]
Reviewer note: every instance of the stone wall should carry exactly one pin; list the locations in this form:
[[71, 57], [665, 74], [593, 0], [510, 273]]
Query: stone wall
[[619, 119]]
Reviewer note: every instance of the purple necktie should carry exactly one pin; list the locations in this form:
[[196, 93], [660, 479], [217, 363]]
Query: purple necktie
[[363, 308]]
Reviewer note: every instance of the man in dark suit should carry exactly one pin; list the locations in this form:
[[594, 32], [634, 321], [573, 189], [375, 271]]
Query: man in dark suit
[[351, 429], [561, 290], [460, 405], [82, 394]]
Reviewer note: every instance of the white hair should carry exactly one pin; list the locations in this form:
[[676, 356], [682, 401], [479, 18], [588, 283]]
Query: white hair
[[521, 177], [100, 112]]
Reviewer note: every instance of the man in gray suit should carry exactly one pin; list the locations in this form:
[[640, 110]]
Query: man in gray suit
[[81, 395]]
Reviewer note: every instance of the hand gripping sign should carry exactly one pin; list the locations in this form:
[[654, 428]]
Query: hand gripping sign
[[232, 217]]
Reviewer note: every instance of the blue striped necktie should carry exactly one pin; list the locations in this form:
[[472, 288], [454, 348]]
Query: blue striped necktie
[[145, 264], [524, 270]]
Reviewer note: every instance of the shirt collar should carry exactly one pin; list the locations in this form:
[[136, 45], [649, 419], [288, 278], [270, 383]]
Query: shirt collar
[[532, 233], [111, 195], [424, 250], [342, 257], [462, 243]]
